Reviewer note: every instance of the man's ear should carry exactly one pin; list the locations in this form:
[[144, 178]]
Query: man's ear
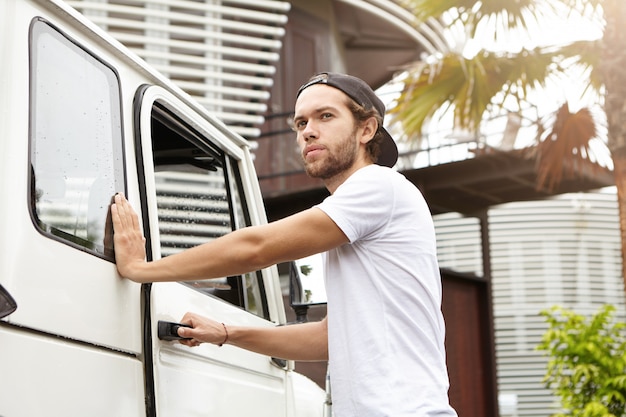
[[368, 130]]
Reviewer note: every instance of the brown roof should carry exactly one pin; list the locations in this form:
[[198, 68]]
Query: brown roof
[[466, 186]]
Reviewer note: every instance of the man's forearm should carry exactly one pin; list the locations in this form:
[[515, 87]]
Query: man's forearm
[[302, 342], [232, 254], [305, 342]]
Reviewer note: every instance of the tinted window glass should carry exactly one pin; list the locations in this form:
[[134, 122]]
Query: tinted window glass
[[199, 198], [75, 141]]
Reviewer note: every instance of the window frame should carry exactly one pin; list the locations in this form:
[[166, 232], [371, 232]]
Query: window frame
[[204, 136], [104, 251]]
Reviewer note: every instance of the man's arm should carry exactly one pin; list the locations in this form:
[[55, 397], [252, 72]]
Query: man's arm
[[244, 250], [303, 342]]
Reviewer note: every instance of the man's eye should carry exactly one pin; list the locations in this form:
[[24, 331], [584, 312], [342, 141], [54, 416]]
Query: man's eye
[[326, 116], [297, 124]]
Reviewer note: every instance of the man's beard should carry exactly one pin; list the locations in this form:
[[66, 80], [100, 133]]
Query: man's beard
[[336, 163]]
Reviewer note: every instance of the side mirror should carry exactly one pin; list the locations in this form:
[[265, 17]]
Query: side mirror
[[306, 285], [7, 303]]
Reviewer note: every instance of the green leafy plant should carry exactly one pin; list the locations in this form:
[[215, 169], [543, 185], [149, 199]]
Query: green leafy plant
[[587, 365]]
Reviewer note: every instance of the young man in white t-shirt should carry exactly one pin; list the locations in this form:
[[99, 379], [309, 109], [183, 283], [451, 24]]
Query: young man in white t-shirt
[[384, 333]]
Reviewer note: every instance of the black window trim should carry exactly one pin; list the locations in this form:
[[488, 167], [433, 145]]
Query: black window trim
[[167, 111], [65, 238]]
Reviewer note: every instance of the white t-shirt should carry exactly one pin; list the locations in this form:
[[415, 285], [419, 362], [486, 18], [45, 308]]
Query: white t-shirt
[[385, 327]]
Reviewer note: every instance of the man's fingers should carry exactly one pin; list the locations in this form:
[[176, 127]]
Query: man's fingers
[[130, 244], [116, 211], [123, 214], [123, 209]]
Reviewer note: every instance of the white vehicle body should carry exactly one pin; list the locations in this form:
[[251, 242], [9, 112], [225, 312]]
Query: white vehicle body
[[80, 119]]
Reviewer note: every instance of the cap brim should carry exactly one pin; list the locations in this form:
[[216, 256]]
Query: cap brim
[[388, 150]]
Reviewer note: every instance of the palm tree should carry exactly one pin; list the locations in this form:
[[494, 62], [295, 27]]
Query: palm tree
[[472, 85]]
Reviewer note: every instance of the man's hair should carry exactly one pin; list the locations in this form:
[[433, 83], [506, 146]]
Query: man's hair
[[361, 115]]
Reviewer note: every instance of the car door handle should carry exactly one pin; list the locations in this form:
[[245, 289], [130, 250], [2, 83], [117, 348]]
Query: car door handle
[[167, 330]]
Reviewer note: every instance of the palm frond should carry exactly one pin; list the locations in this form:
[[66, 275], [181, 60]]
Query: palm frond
[[565, 149], [426, 9], [509, 15], [587, 54], [469, 85]]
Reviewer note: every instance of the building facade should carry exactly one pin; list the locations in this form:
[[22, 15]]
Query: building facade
[[562, 251]]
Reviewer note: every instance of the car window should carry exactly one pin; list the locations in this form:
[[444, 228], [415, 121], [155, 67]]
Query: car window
[[199, 198], [76, 160]]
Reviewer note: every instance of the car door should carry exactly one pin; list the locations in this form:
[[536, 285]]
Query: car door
[[196, 184], [73, 345]]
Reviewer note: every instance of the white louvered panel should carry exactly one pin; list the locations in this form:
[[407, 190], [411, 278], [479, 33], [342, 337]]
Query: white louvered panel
[[165, 10], [171, 232], [278, 6], [458, 243], [219, 8], [163, 27], [249, 106], [234, 117], [221, 63], [159, 23], [222, 53], [520, 367], [247, 132], [193, 48], [192, 209], [178, 72], [235, 91], [562, 251]]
